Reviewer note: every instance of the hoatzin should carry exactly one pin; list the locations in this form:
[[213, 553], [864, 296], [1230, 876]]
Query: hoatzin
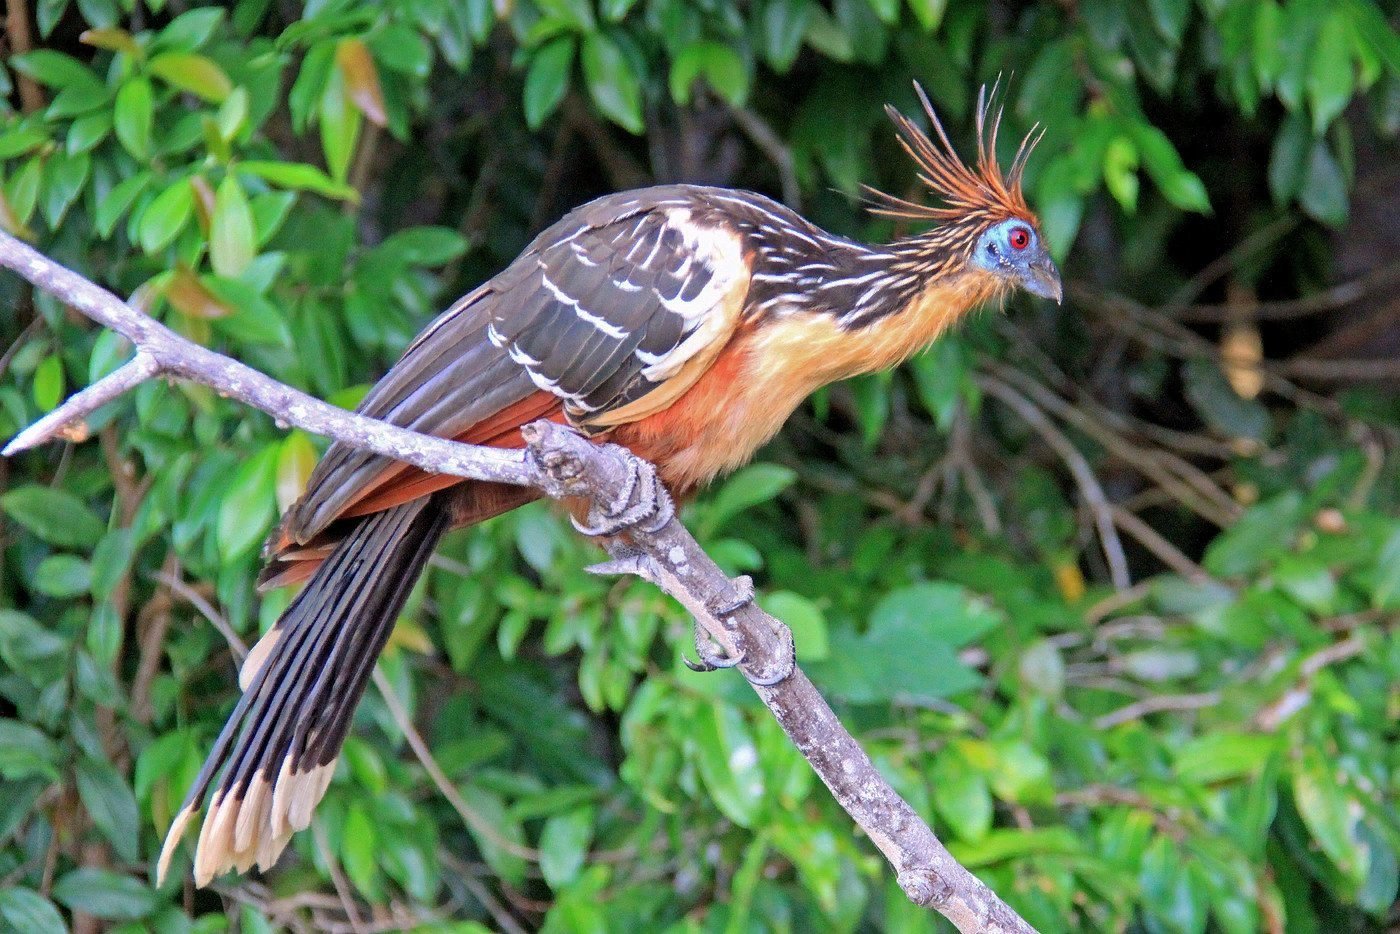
[[685, 323]]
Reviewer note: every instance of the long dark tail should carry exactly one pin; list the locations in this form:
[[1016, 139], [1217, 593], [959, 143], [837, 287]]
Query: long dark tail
[[301, 684]]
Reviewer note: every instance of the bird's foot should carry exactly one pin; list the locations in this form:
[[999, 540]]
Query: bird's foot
[[712, 656], [722, 610], [710, 659], [741, 597], [642, 503], [785, 662]]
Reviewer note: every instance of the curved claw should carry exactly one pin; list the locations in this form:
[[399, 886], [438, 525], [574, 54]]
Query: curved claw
[[650, 512], [718, 662], [783, 669], [768, 680], [710, 660], [592, 531]]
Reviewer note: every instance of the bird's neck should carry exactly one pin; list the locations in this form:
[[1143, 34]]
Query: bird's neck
[[857, 285]]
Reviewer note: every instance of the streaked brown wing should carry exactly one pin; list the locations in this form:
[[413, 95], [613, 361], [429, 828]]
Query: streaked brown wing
[[615, 309]]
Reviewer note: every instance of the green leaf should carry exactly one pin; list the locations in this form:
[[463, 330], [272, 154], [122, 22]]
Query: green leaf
[[500, 830], [943, 380], [53, 514], [191, 30], [296, 458], [1386, 579], [1120, 162], [929, 13], [721, 67], [564, 846], [1324, 192], [401, 49], [25, 751], [573, 14], [160, 761], [166, 216], [757, 483], [248, 505], [65, 177], [615, 10], [1170, 16], [946, 611], [133, 116], [63, 576], [1309, 582], [1222, 408], [1330, 73], [1263, 533], [255, 319], [357, 850], [110, 560], [1042, 669], [1328, 812], [1181, 187], [113, 207], [1168, 894], [24, 643], [425, 246], [300, 177], [48, 382], [88, 131], [24, 189], [310, 84], [232, 243], [233, 113], [111, 805], [805, 619], [961, 795], [340, 125], [612, 83], [1061, 207], [910, 650], [197, 74], [727, 759], [886, 11], [111, 38], [1002, 845], [1267, 43], [1224, 755], [1288, 162], [26, 910], [1373, 29], [782, 24], [871, 393], [57, 70], [20, 140], [547, 81], [104, 635], [105, 894]]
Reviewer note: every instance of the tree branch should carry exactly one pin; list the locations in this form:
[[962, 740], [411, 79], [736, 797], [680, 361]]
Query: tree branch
[[560, 463]]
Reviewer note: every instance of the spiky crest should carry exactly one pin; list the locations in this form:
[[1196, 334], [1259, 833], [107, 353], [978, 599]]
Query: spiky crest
[[975, 194]]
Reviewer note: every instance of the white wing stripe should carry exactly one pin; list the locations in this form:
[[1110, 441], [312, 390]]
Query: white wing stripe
[[601, 324]]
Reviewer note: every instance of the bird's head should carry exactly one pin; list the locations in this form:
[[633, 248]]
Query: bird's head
[[983, 224]]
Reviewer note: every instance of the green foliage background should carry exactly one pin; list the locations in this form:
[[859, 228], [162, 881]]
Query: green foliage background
[[1210, 748]]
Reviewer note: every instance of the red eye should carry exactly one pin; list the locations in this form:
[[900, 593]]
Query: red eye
[[1020, 238]]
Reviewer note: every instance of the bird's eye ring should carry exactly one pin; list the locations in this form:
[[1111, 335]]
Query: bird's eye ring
[[1020, 238]]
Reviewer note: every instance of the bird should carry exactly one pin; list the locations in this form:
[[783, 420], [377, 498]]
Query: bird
[[682, 322]]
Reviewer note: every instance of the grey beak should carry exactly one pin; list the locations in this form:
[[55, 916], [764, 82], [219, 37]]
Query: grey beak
[[1043, 279]]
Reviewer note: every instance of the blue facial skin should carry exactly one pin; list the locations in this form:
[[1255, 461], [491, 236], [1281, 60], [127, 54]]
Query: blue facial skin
[[1014, 250]]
